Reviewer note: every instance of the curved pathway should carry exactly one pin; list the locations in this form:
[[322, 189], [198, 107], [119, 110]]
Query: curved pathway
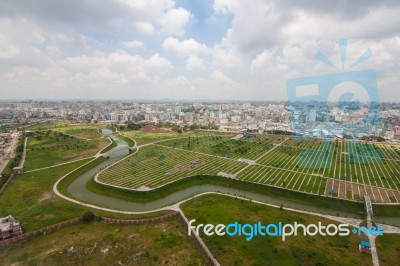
[[88, 198]]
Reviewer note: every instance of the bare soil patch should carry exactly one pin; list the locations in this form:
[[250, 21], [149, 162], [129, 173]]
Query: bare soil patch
[[154, 129]]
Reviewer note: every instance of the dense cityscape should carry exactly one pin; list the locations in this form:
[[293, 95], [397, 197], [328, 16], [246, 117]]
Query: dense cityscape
[[225, 116]]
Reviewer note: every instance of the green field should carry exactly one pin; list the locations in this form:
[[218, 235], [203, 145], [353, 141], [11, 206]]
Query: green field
[[348, 169], [144, 138], [153, 166], [83, 132], [388, 249], [30, 199], [47, 148], [94, 243], [223, 145], [128, 140], [300, 250], [110, 145]]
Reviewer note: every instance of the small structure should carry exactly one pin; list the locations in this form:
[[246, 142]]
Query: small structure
[[18, 170], [29, 133], [167, 173], [249, 135], [9, 227], [331, 191], [364, 247]]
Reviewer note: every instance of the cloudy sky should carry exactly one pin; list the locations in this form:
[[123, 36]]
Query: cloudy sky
[[189, 49]]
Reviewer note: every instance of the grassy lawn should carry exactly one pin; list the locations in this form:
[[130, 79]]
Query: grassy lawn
[[223, 145], [388, 249], [84, 132], [30, 199], [261, 250], [48, 148], [66, 181], [109, 146], [153, 166], [145, 137], [297, 164], [94, 243], [128, 140]]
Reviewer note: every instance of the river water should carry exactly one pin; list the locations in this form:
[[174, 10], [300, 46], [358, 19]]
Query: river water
[[78, 189]]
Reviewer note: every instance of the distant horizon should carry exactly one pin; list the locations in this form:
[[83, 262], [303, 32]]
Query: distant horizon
[[181, 100]]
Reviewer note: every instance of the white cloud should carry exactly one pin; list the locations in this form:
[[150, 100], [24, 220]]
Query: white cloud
[[194, 63], [7, 49], [132, 44], [226, 54], [185, 47], [144, 27], [53, 51], [175, 20]]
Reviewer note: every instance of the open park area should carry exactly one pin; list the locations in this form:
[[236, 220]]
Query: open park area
[[342, 169], [331, 175]]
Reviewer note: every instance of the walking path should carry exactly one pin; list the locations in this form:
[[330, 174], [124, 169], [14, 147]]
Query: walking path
[[176, 207], [60, 164]]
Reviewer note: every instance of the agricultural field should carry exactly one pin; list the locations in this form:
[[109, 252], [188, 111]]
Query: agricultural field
[[95, 243], [262, 250], [144, 138], [49, 147], [83, 132], [224, 145], [153, 166], [347, 170]]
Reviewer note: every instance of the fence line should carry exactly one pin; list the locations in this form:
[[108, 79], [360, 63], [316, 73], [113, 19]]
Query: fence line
[[142, 221], [210, 259], [44, 230]]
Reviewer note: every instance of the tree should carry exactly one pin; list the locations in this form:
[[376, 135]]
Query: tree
[[88, 216]]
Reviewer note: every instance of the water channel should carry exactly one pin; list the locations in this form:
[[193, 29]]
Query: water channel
[[78, 189]]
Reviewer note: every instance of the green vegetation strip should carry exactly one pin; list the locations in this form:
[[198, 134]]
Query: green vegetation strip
[[270, 250], [66, 181], [297, 197], [112, 145], [128, 140], [30, 199], [95, 243]]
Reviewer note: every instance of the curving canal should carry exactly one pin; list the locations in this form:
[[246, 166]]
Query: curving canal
[[78, 189]]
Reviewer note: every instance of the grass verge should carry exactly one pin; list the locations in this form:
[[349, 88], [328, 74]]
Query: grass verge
[[66, 181], [112, 145], [94, 243], [146, 196], [128, 140], [270, 250], [30, 199]]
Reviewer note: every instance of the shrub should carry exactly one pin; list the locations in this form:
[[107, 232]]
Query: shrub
[[88, 216]]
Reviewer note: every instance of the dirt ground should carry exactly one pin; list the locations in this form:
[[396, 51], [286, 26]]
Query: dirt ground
[[154, 129]]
